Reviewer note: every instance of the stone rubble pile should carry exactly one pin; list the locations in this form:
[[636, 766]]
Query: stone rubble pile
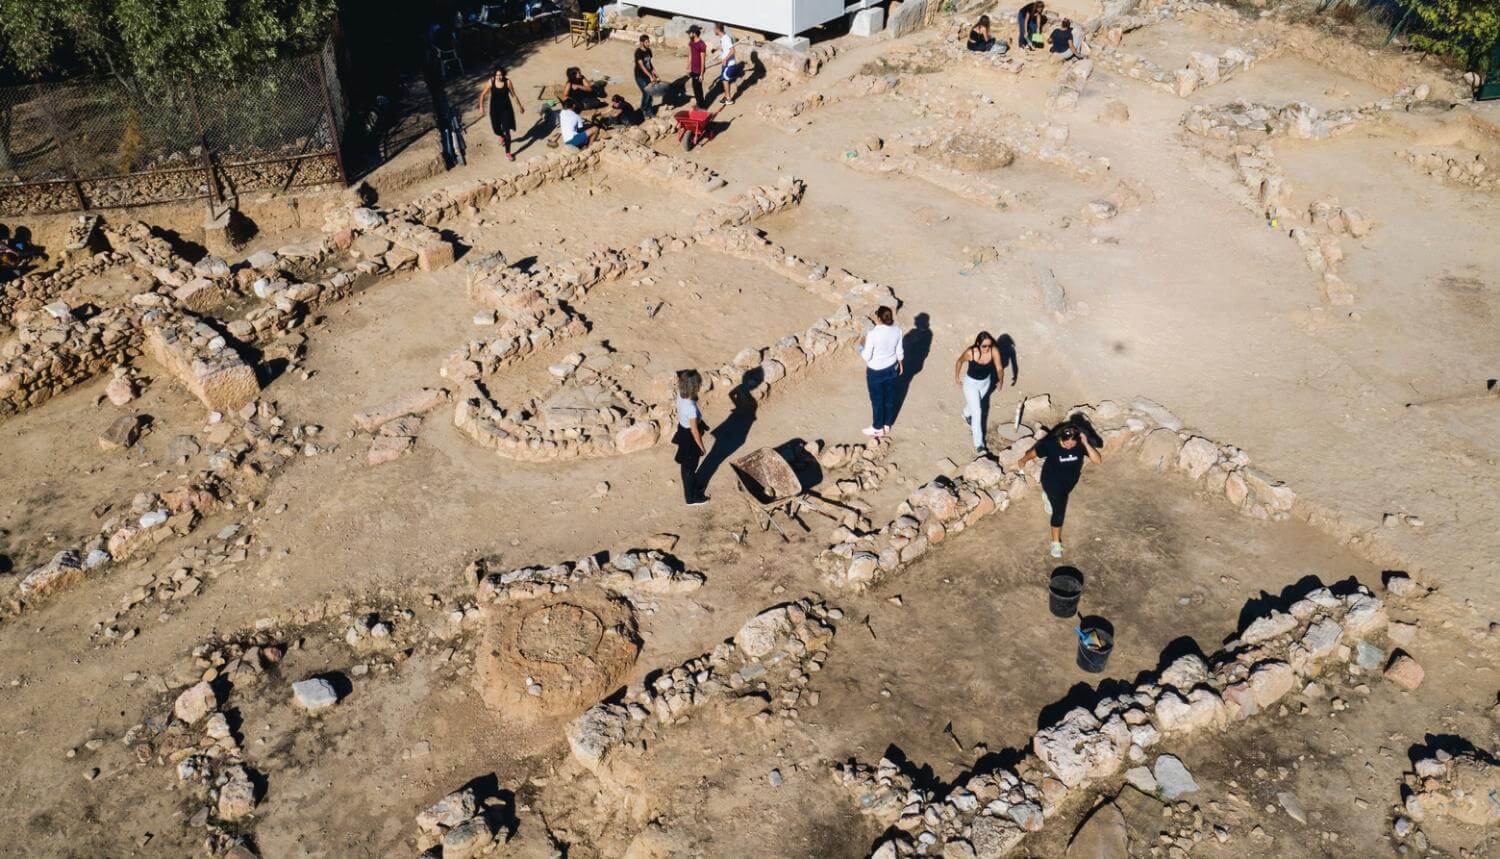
[[990, 814], [1202, 69], [458, 827], [1462, 787], [639, 572], [850, 470], [1471, 171], [1046, 144], [1247, 121], [196, 738], [1317, 234], [51, 353], [761, 673], [257, 442], [180, 579]]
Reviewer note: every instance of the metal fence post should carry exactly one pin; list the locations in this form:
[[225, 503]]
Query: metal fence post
[[333, 121], [46, 100], [208, 160]]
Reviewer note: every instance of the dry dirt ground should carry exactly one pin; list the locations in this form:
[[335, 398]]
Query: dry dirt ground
[[1187, 296]]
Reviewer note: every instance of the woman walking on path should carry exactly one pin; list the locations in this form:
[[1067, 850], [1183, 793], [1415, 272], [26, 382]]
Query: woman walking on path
[[689, 436], [498, 96], [1062, 454], [979, 369], [884, 362]]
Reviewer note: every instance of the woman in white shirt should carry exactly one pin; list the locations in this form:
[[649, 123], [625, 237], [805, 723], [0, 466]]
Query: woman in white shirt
[[884, 364], [689, 436]]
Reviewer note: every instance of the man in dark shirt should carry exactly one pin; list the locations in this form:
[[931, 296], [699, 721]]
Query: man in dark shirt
[[696, 50], [645, 75]]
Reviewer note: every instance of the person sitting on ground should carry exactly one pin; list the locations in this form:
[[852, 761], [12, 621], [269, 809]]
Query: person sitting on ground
[[1064, 43], [980, 39], [570, 125], [579, 88], [625, 112], [1062, 453], [1029, 21]]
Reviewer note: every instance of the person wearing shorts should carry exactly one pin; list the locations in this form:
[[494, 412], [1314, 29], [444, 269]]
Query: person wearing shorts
[[729, 65], [570, 125], [1062, 454]]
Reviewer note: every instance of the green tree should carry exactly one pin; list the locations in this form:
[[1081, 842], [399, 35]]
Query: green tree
[[157, 40], [1462, 29]]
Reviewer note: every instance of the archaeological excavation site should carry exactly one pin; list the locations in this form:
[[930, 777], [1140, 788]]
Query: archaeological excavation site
[[697, 488]]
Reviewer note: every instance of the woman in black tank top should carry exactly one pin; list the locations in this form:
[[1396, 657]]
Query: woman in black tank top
[[979, 371]]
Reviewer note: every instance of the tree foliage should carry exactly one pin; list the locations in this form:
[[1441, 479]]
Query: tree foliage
[[1462, 29], [156, 39]]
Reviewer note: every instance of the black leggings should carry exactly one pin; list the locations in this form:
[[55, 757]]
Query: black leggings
[[688, 457], [1057, 496]]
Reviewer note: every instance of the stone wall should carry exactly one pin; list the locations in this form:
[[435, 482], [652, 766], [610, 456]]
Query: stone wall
[[49, 355], [760, 674], [538, 311], [990, 813], [948, 505]]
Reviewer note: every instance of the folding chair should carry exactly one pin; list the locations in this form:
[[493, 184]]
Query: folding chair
[[448, 56], [585, 30]]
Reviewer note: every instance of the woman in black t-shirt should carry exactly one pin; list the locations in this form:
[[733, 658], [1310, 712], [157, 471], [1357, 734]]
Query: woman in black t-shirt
[[1062, 454]]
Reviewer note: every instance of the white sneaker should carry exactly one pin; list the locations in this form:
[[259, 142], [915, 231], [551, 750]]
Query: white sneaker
[[870, 431], [1057, 549]]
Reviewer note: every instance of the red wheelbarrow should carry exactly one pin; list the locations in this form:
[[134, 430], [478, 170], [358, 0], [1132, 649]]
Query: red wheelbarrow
[[694, 126]]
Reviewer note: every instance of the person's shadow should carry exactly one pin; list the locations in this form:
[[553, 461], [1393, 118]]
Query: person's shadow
[[731, 433], [916, 345], [1007, 347]]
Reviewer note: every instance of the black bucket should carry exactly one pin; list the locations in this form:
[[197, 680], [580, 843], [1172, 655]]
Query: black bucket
[[1064, 591], [1093, 657]]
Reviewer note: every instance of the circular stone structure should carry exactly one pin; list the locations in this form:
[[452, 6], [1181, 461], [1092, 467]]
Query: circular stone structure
[[557, 653]]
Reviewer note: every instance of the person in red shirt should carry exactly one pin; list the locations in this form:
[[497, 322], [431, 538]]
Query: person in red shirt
[[696, 51]]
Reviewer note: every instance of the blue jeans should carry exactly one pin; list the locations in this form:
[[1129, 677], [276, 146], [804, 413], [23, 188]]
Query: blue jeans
[[882, 387], [645, 85]]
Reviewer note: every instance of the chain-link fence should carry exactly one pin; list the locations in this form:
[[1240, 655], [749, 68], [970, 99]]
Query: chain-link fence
[[110, 143]]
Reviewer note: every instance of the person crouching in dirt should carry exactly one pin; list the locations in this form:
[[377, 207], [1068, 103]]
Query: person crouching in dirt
[[625, 113], [1029, 21], [1063, 42], [980, 38], [1062, 454]]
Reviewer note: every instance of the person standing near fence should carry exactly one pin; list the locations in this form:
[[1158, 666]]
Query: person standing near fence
[[979, 371], [500, 97], [645, 75], [697, 50], [884, 357], [689, 436]]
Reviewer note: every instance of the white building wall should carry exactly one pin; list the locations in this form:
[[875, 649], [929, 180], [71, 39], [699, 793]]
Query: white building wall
[[779, 17]]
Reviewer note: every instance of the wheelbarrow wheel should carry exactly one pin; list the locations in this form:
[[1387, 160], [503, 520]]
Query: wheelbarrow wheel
[[687, 141]]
